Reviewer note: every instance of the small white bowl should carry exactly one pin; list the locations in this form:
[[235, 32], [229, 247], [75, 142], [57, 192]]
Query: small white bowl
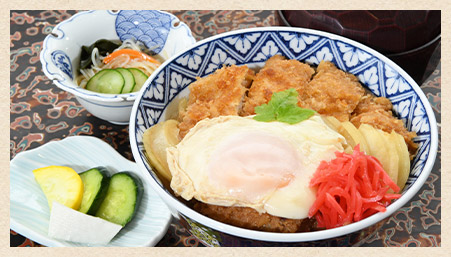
[[60, 55], [29, 211]]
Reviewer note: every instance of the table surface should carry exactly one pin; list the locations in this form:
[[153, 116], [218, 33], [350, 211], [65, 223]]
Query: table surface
[[41, 112]]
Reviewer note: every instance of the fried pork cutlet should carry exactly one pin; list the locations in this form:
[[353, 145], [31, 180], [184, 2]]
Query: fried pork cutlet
[[376, 111], [332, 92], [249, 218], [370, 102], [278, 74], [221, 93]]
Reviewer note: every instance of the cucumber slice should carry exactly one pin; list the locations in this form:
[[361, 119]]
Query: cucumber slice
[[122, 199], [140, 78], [95, 182], [107, 81], [129, 80]]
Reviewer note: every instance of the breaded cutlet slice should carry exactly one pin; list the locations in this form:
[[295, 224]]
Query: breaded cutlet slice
[[377, 112], [278, 74], [220, 93], [332, 92], [370, 102]]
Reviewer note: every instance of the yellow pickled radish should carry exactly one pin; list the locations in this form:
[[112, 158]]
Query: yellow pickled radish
[[61, 184]]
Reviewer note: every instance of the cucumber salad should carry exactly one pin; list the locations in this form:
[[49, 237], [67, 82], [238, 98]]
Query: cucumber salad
[[114, 67]]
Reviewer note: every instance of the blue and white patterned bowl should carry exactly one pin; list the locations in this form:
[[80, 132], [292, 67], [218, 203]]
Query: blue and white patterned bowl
[[253, 47], [60, 56]]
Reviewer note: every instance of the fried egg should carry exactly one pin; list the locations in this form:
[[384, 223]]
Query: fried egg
[[238, 161]]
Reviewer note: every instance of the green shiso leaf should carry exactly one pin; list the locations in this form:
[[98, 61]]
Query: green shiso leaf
[[283, 107]]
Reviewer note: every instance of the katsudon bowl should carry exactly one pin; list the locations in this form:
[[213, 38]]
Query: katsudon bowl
[[158, 102]]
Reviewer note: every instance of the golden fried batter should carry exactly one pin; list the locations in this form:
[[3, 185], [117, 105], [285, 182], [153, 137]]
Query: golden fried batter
[[376, 111], [278, 74], [249, 218], [220, 93], [332, 92], [369, 102]]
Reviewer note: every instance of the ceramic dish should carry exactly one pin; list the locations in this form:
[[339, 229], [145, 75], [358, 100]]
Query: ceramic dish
[[417, 33], [253, 47], [29, 211], [60, 55]]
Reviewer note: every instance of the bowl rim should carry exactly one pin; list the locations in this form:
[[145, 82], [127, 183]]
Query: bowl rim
[[174, 203], [73, 87]]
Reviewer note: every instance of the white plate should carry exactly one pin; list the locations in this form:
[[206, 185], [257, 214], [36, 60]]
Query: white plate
[[29, 212]]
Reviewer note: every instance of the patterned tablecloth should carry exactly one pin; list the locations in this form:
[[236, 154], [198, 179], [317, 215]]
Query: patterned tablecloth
[[41, 112]]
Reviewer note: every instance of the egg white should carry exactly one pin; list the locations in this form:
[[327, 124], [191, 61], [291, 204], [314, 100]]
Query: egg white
[[202, 164]]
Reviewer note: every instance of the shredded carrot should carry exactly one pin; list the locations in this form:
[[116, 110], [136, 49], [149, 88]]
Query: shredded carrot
[[132, 53], [350, 188]]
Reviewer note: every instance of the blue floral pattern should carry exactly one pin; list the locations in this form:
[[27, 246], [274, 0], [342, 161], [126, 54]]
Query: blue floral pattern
[[242, 43], [352, 56], [370, 78], [62, 61], [324, 54], [395, 83], [420, 123], [419, 159], [402, 108], [178, 82], [298, 42], [193, 58], [268, 50], [156, 91], [254, 47], [141, 123], [219, 59]]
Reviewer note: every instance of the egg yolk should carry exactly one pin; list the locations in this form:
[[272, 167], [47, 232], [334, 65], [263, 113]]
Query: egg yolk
[[252, 165]]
